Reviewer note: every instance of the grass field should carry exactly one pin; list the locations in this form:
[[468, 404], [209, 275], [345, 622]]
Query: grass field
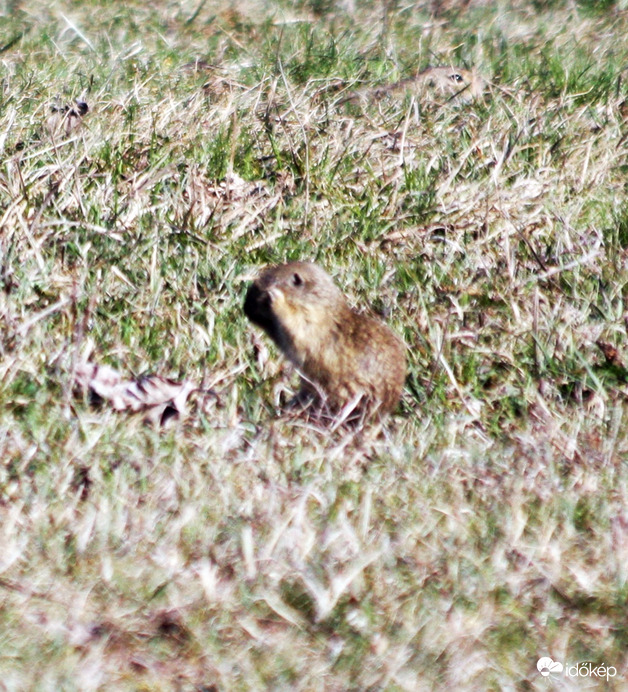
[[485, 525]]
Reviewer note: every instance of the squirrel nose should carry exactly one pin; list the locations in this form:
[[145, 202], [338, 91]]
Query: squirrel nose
[[257, 306]]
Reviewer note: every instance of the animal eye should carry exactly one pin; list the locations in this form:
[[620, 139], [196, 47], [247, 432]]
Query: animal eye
[[456, 77], [296, 280]]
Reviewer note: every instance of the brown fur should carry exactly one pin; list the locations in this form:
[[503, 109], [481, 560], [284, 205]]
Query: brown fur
[[344, 354]]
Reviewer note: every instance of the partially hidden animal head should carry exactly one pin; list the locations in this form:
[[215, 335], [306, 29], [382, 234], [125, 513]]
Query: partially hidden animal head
[[299, 294], [457, 81]]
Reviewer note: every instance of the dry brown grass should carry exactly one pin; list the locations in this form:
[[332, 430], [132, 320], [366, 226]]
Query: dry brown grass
[[483, 526]]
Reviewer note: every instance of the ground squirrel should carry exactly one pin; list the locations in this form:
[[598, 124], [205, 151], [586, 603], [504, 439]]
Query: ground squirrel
[[456, 83], [346, 359]]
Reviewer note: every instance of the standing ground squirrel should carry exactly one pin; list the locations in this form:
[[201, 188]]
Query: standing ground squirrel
[[344, 357]]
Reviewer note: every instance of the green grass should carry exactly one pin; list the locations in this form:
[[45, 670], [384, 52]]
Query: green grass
[[482, 527]]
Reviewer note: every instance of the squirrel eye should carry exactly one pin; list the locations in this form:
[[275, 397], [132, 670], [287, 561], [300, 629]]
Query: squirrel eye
[[456, 77], [296, 280]]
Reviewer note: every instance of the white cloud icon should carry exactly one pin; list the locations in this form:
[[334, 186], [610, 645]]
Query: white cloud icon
[[545, 666]]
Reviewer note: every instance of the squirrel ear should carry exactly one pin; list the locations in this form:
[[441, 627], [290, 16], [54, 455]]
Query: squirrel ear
[[296, 279]]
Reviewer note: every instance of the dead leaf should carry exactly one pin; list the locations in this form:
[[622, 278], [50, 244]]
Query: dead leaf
[[159, 398], [66, 118], [235, 188], [611, 354]]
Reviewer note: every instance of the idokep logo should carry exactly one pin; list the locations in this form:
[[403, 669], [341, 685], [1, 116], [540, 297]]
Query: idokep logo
[[546, 666], [588, 670]]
